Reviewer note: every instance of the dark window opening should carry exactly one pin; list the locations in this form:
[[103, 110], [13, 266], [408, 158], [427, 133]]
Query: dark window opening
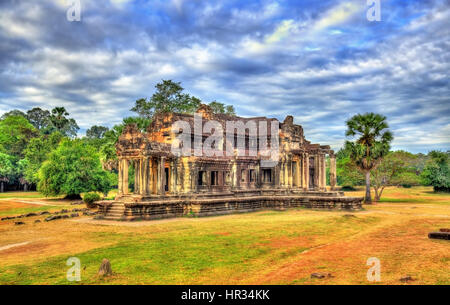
[[166, 185], [243, 175], [214, 178], [267, 175], [201, 178], [252, 175]]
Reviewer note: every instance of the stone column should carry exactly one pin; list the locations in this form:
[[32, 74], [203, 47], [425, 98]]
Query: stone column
[[324, 172], [234, 174], [306, 171], [314, 166], [316, 171], [125, 176], [150, 189], [162, 176], [144, 187], [320, 171], [333, 171], [297, 173], [173, 178], [290, 173], [120, 176], [276, 174], [136, 176], [258, 174]]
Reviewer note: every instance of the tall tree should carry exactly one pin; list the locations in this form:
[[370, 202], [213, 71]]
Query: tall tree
[[395, 169], [96, 132], [15, 133], [222, 108], [372, 143], [6, 170], [348, 174], [14, 112], [38, 118], [60, 122], [37, 152], [169, 97]]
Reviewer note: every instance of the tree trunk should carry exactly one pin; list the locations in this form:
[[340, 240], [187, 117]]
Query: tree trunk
[[368, 198], [25, 187], [376, 194], [2, 188]]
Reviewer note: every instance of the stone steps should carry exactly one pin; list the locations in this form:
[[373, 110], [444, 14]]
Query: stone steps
[[115, 211]]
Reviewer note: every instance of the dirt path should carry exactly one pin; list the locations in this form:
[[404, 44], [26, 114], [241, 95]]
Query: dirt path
[[14, 245], [34, 202]]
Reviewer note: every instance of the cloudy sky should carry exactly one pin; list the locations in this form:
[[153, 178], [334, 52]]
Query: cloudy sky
[[321, 61]]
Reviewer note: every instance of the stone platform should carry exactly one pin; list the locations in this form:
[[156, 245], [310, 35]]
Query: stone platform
[[148, 208]]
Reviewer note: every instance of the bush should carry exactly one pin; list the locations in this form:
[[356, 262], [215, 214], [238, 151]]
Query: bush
[[437, 171], [348, 188], [72, 169], [90, 198]]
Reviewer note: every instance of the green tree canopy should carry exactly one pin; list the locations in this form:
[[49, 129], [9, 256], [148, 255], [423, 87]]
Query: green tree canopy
[[396, 168], [14, 112], [37, 152], [347, 173], [73, 168], [61, 122], [169, 97], [371, 144], [222, 108], [141, 122], [437, 171], [38, 118], [15, 133], [6, 167], [96, 132]]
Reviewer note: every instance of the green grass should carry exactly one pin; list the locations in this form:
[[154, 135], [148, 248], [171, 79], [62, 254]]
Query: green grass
[[21, 195], [245, 248], [184, 252], [35, 209]]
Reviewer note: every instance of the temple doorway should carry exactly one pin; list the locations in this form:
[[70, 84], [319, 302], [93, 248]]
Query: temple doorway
[[167, 179], [311, 173]]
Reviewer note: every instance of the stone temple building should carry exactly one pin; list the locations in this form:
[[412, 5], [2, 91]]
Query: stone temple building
[[170, 184]]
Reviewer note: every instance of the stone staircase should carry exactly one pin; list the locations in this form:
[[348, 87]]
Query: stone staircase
[[115, 211]]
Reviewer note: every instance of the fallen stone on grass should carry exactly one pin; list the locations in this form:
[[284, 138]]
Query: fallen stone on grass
[[19, 223], [105, 268], [44, 213], [406, 279], [74, 215], [349, 216], [320, 275], [439, 235], [31, 215], [37, 221], [87, 213], [51, 218], [8, 218]]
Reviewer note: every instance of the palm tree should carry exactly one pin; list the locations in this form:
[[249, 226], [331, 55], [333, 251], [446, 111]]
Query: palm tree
[[59, 117], [372, 143]]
